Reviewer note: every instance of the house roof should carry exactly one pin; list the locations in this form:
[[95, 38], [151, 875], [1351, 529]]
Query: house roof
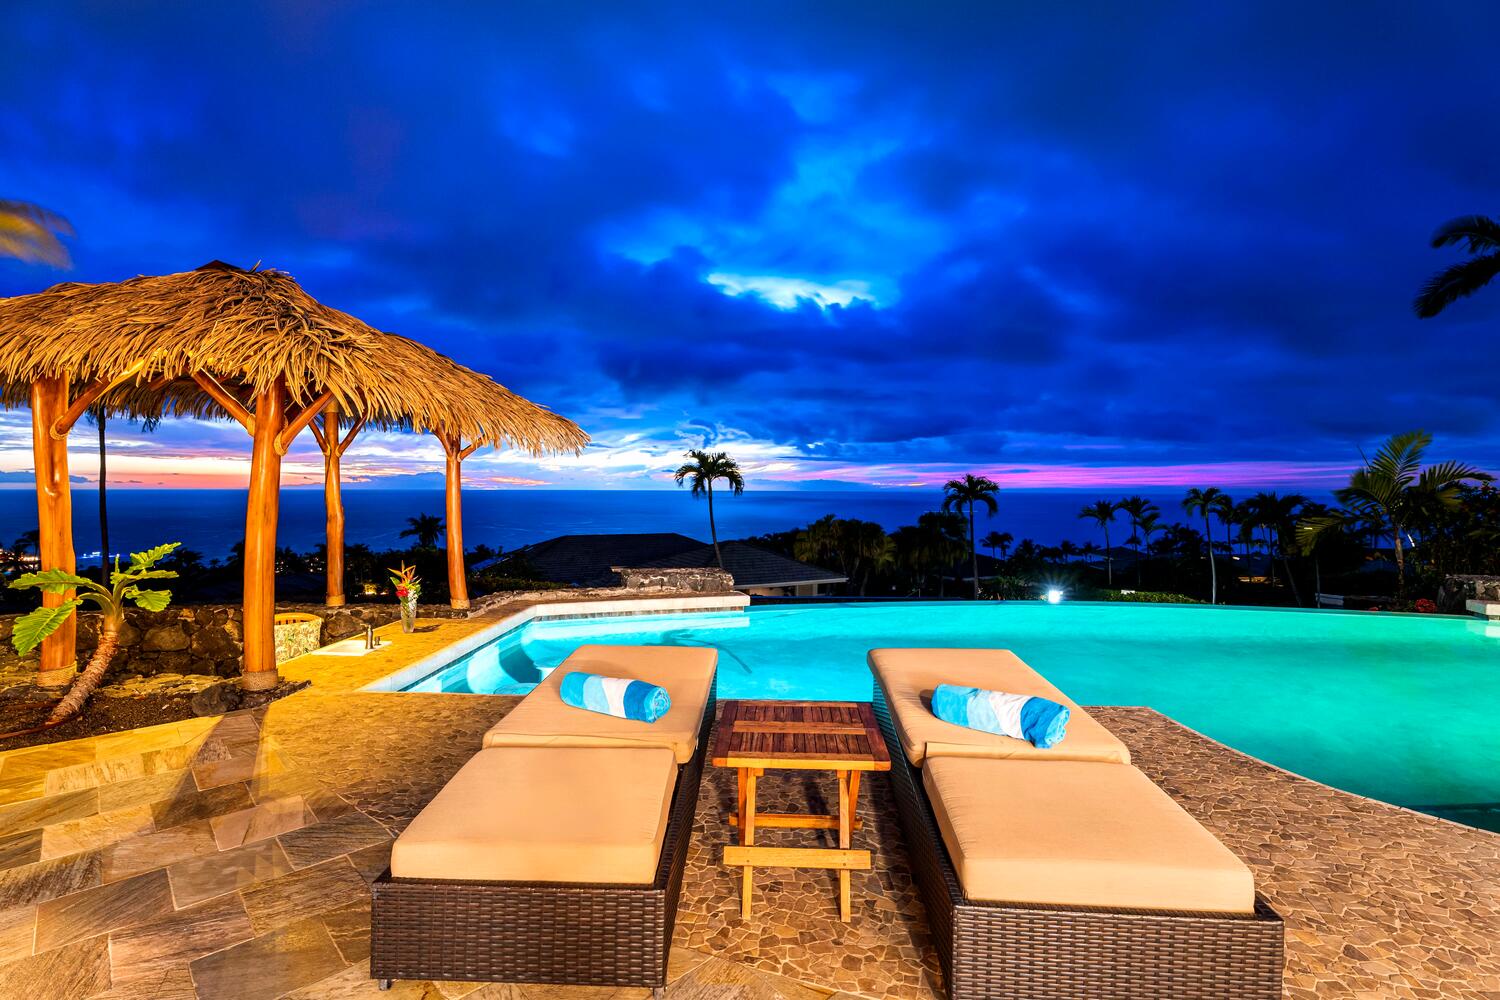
[[587, 560], [751, 566]]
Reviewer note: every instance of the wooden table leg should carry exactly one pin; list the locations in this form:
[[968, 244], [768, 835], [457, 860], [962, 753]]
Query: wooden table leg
[[739, 802], [747, 837], [847, 787]]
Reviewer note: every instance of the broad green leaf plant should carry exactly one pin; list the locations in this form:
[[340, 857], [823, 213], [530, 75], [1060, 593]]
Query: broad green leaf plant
[[125, 587]]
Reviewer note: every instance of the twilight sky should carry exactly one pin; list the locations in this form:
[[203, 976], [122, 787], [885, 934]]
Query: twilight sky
[[864, 243]]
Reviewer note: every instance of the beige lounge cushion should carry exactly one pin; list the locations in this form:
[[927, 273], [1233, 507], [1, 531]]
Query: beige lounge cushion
[[909, 676], [1078, 833], [544, 719], [555, 814]]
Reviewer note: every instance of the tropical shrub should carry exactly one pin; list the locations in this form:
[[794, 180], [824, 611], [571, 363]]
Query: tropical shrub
[[30, 630]]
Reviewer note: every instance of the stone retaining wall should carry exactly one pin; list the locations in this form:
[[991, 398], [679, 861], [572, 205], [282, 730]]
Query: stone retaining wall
[[692, 581], [205, 639], [1457, 591]]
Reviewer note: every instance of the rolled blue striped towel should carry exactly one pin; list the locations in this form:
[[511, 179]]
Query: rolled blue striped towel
[[618, 696], [1040, 721]]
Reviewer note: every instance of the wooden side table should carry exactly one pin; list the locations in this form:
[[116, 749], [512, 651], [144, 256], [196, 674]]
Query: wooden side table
[[838, 736]]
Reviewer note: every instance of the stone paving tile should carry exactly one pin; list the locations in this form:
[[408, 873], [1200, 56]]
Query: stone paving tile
[[193, 805], [98, 830], [270, 965], [331, 885], [43, 880], [174, 984], [350, 929], [175, 940], [344, 835], [67, 973], [157, 850], [102, 909], [17, 932], [260, 822], [20, 848], [41, 812], [212, 875], [145, 790]]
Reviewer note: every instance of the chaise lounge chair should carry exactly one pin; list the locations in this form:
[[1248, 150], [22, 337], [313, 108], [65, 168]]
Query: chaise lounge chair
[[1061, 874], [556, 854]]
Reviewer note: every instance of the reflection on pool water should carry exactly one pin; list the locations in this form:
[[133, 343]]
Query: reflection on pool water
[[1404, 708]]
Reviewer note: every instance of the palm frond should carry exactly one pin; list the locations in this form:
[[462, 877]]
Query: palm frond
[[1456, 282], [30, 233], [1480, 231]]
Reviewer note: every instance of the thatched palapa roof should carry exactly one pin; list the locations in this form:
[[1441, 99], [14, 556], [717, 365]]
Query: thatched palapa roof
[[248, 329]]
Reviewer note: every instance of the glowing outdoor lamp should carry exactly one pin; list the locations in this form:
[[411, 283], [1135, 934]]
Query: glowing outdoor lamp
[[1054, 595]]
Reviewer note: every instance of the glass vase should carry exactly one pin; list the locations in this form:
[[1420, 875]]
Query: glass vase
[[408, 616]]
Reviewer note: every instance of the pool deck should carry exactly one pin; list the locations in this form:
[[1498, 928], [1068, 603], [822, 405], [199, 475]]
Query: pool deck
[[229, 857]]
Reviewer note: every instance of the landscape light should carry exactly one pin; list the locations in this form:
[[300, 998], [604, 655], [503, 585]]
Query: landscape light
[[1054, 596]]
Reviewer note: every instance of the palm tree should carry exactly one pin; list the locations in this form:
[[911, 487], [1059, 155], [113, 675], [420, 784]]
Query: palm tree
[[997, 540], [1067, 550], [1204, 502], [1223, 508], [1148, 525], [1137, 509], [1466, 277], [1102, 513], [1277, 515], [1392, 488], [966, 492], [700, 474], [30, 233], [425, 528]]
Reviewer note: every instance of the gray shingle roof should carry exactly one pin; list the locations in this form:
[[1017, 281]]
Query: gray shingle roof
[[751, 566]]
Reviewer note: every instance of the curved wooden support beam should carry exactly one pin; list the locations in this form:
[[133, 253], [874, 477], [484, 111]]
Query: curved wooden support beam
[[224, 398], [349, 437], [465, 453], [295, 425], [317, 433], [88, 397]]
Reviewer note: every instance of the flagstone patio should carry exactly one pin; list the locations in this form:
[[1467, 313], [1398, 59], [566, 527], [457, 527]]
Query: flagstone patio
[[229, 858]]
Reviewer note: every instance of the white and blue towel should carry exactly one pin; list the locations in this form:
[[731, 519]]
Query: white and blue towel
[[1040, 721], [618, 696]]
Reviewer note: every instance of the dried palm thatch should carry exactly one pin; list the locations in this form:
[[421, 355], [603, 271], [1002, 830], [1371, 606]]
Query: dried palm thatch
[[249, 329]]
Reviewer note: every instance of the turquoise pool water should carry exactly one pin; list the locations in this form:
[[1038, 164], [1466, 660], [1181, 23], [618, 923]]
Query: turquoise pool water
[[1403, 708]]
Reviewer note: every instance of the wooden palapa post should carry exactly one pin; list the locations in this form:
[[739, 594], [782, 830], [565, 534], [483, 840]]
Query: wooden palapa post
[[458, 583], [333, 502], [54, 509], [271, 432]]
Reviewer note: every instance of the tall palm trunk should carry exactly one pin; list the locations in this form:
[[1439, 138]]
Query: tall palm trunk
[[103, 509], [109, 641], [1109, 560], [973, 551], [712, 528], [1213, 569], [1400, 559]]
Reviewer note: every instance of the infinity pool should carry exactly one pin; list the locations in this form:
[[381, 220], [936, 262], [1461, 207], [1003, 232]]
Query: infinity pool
[[1403, 708]]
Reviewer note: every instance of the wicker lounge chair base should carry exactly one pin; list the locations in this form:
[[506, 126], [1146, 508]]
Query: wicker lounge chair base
[[995, 951], [567, 933]]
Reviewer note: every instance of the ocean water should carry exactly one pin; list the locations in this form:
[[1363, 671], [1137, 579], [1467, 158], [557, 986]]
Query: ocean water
[[210, 521], [1400, 708]]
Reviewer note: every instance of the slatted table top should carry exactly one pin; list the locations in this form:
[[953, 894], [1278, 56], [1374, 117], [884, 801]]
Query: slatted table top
[[814, 735]]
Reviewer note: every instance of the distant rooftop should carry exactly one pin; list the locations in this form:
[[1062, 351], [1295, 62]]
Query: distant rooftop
[[588, 560]]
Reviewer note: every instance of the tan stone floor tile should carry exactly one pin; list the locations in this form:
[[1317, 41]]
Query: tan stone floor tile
[[44, 880], [681, 961], [20, 848], [99, 830], [270, 965], [371, 861], [318, 842], [226, 871], [262, 762], [329, 886], [551, 991], [349, 927], [173, 984], [39, 760], [145, 790], [48, 809], [101, 909], [22, 787], [17, 933], [175, 940], [157, 850], [67, 973], [194, 805], [272, 817], [354, 983]]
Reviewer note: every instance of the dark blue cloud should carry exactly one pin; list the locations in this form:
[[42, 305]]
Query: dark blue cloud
[[1180, 234]]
